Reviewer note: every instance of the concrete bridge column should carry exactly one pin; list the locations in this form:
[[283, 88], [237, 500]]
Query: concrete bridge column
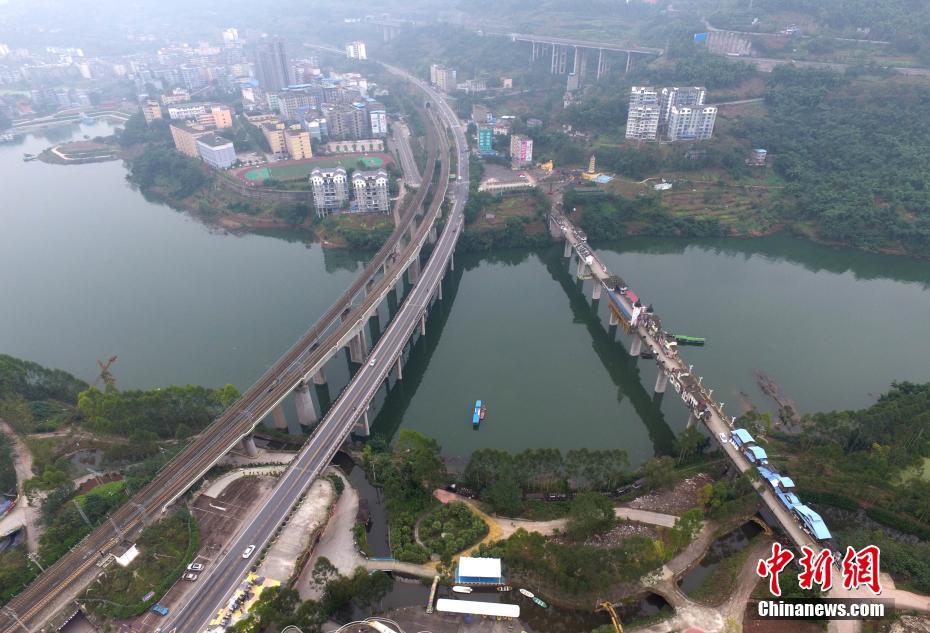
[[582, 270], [636, 346], [248, 445], [596, 291], [614, 319], [423, 325], [567, 251], [432, 234], [439, 290], [413, 271], [692, 420], [400, 366], [319, 378], [452, 261], [362, 427], [277, 414], [602, 66], [358, 347], [306, 409], [661, 382]]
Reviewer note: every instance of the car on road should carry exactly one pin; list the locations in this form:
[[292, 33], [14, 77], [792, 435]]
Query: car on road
[[189, 576], [248, 551], [195, 567], [723, 437], [160, 610], [372, 362]]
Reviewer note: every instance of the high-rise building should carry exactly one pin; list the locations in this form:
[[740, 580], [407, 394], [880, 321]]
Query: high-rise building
[[377, 119], [356, 50], [371, 191], [642, 122], [151, 110], [521, 150], [185, 135], [274, 134], [222, 116], [485, 139], [272, 67], [297, 142], [690, 124], [330, 190], [689, 97], [442, 77], [230, 35], [216, 151]]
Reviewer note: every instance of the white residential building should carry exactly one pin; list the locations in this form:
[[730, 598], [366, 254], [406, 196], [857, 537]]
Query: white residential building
[[216, 151], [330, 190], [642, 122], [690, 124], [356, 50], [675, 96], [371, 191]]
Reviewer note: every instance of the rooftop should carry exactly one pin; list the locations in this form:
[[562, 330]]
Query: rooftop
[[478, 608]]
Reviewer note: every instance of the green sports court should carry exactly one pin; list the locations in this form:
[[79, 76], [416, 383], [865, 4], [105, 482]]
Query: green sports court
[[300, 170]]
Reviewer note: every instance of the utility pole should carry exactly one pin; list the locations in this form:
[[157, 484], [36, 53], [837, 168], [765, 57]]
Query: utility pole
[[117, 528], [81, 511], [13, 615], [35, 559]]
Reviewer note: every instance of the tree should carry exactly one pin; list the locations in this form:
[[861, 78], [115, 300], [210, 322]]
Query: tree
[[690, 442], [589, 513], [323, 571], [504, 497], [659, 472]]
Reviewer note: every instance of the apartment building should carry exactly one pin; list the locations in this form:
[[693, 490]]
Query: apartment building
[[690, 124], [185, 135], [330, 190], [371, 191], [642, 122], [297, 142], [216, 151]]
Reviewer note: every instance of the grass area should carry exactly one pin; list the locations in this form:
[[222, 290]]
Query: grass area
[[165, 549], [514, 206], [289, 170], [451, 528], [109, 490], [357, 230]]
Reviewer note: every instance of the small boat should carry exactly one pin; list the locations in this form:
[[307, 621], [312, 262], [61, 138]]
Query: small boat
[[483, 412], [505, 588], [689, 340], [529, 594], [477, 415], [29, 157], [540, 602], [461, 589]]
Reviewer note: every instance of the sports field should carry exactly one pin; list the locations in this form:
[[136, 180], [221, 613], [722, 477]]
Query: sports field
[[299, 170]]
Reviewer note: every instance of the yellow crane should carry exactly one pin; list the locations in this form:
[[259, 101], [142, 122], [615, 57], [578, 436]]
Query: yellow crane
[[609, 608]]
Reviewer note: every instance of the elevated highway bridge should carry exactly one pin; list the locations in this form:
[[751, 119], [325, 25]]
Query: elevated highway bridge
[[343, 325]]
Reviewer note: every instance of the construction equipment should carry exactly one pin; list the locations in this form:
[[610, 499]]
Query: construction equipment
[[105, 376], [614, 618]]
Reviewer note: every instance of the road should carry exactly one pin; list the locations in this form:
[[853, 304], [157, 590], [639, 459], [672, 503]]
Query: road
[[218, 583], [405, 153], [65, 579]]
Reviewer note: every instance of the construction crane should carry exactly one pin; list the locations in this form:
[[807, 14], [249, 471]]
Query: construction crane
[[105, 376], [614, 619]]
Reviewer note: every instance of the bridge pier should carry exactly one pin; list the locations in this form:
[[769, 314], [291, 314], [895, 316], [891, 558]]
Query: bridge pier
[[692, 420], [614, 320], [661, 382], [636, 346], [400, 366], [423, 325], [358, 347], [362, 427], [319, 378], [582, 270], [279, 421], [559, 59], [413, 271], [567, 251], [248, 445], [452, 261], [306, 409], [596, 290], [439, 291], [602, 66], [432, 234]]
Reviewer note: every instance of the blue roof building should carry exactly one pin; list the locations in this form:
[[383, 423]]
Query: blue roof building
[[741, 437], [756, 455], [785, 483], [789, 499], [769, 475], [812, 522]]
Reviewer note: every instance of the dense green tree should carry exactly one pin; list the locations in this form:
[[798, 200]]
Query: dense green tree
[[659, 472], [589, 514]]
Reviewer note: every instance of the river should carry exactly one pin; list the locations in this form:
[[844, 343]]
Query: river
[[90, 269]]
